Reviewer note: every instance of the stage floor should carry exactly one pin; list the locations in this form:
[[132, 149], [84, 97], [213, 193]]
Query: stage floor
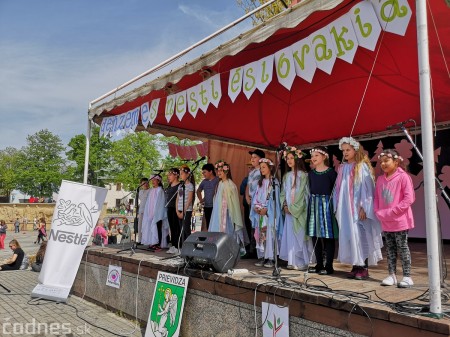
[[329, 299]]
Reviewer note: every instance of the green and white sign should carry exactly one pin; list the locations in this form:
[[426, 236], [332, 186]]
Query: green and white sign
[[167, 306]]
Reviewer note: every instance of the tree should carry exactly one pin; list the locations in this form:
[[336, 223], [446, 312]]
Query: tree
[[41, 165], [9, 161], [99, 158], [135, 156], [266, 13]]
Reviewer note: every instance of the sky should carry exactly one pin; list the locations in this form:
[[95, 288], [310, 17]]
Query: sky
[[56, 56]]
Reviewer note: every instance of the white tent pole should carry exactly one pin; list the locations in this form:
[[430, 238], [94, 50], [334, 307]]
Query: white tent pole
[[428, 160], [86, 155], [220, 31]]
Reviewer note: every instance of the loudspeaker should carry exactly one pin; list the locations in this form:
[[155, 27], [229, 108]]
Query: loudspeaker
[[215, 250]]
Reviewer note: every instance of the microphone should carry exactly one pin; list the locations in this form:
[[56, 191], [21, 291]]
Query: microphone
[[282, 146], [157, 171], [399, 125], [199, 160]]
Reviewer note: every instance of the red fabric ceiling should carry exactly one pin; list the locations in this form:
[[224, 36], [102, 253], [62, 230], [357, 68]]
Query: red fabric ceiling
[[326, 108]]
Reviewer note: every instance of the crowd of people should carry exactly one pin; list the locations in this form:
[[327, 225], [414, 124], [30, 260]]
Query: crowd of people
[[298, 219]]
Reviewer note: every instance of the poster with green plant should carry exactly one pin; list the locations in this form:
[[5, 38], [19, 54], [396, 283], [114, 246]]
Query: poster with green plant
[[167, 306], [275, 320]]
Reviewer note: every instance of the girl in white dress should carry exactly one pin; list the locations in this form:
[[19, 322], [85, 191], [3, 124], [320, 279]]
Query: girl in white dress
[[295, 247]]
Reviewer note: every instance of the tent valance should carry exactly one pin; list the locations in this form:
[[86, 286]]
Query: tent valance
[[299, 112]]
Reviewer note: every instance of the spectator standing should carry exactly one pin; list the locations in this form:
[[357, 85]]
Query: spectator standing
[[3, 228], [17, 226], [100, 230], [42, 233]]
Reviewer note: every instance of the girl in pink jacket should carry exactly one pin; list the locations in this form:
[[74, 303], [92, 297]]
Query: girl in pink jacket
[[393, 198]]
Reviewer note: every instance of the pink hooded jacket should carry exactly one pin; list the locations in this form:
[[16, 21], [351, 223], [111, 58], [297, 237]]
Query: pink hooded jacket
[[393, 199]]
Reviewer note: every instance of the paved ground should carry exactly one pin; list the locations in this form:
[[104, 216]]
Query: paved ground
[[22, 316]]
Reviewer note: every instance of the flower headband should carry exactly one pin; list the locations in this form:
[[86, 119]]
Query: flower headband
[[157, 177], [349, 140], [390, 155], [320, 151], [175, 173], [267, 161], [185, 169], [220, 164], [297, 153]]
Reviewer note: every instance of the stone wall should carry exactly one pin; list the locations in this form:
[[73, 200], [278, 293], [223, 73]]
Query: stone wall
[[27, 212]]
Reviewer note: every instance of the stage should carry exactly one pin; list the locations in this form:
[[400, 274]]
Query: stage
[[223, 305]]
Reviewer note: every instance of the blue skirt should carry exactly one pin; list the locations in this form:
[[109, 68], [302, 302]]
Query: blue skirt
[[321, 221]]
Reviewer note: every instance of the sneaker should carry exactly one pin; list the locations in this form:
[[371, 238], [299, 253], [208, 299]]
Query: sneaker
[[362, 274], [353, 272], [391, 280], [315, 269], [327, 271], [302, 267], [407, 282], [269, 264], [291, 267], [171, 250], [260, 263]]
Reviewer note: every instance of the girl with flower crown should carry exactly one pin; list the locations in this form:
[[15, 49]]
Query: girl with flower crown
[[295, 247], [226, 214], [321, 223], [360, 239], [155, 226], [265, 214]]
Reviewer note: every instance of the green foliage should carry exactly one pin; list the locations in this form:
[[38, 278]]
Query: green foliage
[[133, 157], [38, 168], [264, 14], [9, 161], [40, 164], [99, 158]]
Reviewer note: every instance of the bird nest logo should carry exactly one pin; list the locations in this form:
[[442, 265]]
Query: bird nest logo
[[71, 214]]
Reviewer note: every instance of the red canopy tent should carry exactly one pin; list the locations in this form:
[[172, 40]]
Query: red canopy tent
[[320, 111]]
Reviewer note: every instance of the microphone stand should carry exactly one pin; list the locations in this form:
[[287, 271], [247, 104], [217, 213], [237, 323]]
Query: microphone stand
[[276, 271], [134, 245], [183, 187], [443, 194]]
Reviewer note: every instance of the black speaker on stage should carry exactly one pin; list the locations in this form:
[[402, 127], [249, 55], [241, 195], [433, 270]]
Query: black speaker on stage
[[215, 250]]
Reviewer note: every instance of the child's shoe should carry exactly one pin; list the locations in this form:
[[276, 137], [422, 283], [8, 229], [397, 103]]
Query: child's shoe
[[362, 274], [407, 282], [269, 264], [260, 263], [353, 272], [391, 280]]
